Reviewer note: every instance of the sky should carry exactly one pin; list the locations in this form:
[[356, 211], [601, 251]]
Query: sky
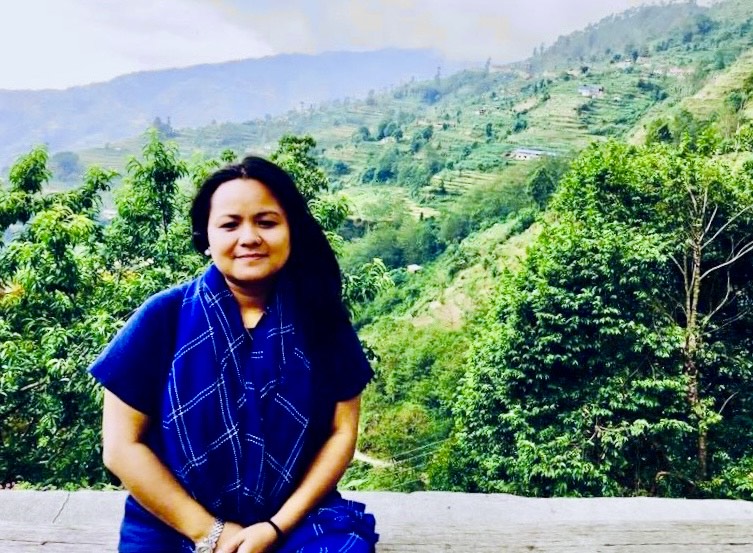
[[63, 43]]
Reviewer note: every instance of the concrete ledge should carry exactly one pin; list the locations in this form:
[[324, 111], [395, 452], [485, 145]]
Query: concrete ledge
[[64, 508], [87, 521]]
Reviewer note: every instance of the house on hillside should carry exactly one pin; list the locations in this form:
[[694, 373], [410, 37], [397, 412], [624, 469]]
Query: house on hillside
[[591, 90], [528, 154]]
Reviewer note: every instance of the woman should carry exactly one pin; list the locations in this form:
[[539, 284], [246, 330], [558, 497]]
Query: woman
[[232, 401]]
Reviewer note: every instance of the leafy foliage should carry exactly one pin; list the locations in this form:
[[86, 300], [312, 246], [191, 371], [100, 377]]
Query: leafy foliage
[[594, 374], [51, 326]]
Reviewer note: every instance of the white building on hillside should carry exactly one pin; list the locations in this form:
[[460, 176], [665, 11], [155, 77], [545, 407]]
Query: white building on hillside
[[527, 154]]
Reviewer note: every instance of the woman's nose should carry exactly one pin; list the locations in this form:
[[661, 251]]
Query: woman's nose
[[250, 235]]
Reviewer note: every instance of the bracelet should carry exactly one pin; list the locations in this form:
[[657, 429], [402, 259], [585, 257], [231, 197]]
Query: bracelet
[[209, 542], [279, 533]]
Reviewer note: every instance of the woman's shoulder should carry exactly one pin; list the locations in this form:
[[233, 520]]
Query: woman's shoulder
[[165, 303], [134, 364], [159, 312], [168, 298]]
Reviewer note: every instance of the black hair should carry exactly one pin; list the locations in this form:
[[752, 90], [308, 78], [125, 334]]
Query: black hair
[[312, 266]]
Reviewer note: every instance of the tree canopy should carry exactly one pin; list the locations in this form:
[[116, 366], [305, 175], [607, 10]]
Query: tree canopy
[[619, 359]]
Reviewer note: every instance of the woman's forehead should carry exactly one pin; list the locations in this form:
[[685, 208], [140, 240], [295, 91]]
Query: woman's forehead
[[244, 195]]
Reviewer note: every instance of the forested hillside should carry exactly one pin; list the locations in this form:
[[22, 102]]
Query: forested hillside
[[549, 262], [618, 360], [101, 113]]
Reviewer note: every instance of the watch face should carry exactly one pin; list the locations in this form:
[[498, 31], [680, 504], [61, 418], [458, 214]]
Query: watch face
[[203, 548]]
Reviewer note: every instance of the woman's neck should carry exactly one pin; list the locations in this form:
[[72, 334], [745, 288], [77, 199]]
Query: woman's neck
[[252, 300]]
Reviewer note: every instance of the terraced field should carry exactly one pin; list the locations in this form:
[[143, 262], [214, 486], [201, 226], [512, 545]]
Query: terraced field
[[472, 130], [449, 184], [553, 125], [711, 97]]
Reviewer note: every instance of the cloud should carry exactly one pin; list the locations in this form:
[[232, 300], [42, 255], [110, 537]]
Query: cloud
[[505, 30], [67, 42], [58, 43]]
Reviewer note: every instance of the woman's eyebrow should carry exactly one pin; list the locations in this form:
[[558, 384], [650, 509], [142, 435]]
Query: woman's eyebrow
[[265, 213]]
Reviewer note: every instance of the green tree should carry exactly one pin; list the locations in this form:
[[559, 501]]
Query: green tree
[[362, 134], [147, 204], [27, 176], [658, 131], [295, 155], [49, 330], [521, 122], [30, 172], [616, 360], [543, 182], [541, 186], [714, 236]]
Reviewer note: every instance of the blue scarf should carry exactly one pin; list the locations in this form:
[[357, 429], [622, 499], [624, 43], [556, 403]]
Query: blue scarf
[[236, 410]]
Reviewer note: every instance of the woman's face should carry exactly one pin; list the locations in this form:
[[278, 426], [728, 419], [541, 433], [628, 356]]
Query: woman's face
[[248, 232]]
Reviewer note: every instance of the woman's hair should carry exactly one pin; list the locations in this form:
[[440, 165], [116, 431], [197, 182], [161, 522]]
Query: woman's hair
[[312, 266]]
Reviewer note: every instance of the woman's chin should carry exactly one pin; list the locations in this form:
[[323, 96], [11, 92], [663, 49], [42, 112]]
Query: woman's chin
[[251, 277]]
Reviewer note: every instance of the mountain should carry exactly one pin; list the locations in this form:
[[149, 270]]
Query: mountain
[[93, 115]]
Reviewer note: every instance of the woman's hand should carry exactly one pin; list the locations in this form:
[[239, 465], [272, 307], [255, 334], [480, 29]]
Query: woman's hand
[[256, 538], [228, 533]]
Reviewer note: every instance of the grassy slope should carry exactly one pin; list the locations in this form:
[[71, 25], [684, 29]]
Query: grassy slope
[[451, 298], [707, 101], [456, 287]]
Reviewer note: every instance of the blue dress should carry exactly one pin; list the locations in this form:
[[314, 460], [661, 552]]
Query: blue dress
[[237, 417]]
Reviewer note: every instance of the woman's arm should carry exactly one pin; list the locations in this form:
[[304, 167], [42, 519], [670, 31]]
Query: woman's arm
[[321, 477], [145, 476], [327, 467]]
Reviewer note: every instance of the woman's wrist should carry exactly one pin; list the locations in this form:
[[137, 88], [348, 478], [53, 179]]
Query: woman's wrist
[[201, 527], [278, 532], [208, 543]]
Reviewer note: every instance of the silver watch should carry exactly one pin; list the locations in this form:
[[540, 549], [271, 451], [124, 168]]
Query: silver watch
[[207, 544]]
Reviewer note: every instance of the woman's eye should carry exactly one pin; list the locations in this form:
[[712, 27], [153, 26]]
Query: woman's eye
[[228, 225], [267, 224]]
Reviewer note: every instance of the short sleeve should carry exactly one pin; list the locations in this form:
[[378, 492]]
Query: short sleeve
[[134, 365], [352, 371]]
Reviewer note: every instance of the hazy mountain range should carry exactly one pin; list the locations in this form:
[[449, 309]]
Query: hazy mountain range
[[93, 115]]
